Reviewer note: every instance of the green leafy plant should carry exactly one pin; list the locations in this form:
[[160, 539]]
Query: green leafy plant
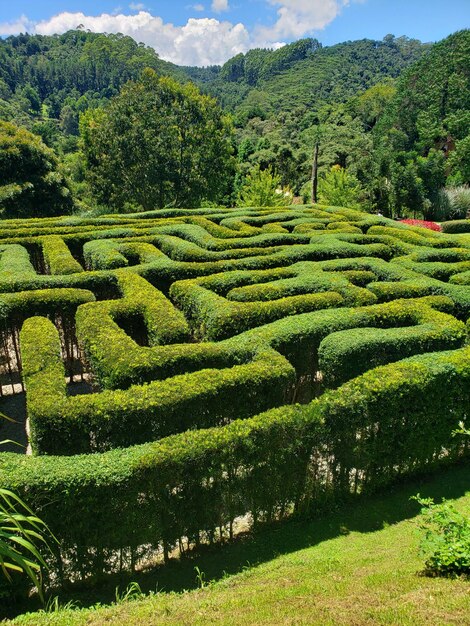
[[263, 188], [446, 540], [54, 605], [200, 577], [132, 592], [461, 430], [31, 183], [452, 203], [339, 188], [21, 532]]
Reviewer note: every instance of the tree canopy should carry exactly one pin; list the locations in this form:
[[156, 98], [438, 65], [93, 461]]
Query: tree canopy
[[394, 114], [263, 188], [339, 188], [158, 143], [30, 183]]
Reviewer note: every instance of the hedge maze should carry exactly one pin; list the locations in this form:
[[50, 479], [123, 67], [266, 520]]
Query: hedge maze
[[186, 368]]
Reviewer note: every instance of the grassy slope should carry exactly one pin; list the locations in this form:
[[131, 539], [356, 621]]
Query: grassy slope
[[358, 566]]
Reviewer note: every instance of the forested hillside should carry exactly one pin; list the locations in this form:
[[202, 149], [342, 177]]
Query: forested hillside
[[58, 77], [305, 73], [431, 108], [387, 119], [46, 82]]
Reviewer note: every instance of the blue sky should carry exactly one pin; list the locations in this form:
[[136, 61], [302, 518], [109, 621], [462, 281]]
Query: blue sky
[[202, 32]]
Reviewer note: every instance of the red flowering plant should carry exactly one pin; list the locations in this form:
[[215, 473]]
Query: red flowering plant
[[423, 224]]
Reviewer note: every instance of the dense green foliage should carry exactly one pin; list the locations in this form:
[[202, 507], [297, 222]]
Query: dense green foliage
[[263, 188], [200, 329], [339, 188], [199, 480], [278, 99], [30, 183], [47, 81], [432, 100], [456, 226], [157, 144], [283, 99], [393, 114], [21, 536], [445, 543], [422, 136], [305, 74]]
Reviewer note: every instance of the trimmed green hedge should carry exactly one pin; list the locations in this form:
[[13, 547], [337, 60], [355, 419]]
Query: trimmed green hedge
[[392, 421], [456, 226], [348, 353], [94, 422], [251, 301], [103, 255], [208, 396], [15, 263], [57, 256], [18, 306], [462, 278], [253, 278], [217, 318]]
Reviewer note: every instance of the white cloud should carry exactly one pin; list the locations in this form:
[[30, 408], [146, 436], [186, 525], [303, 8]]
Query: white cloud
[[219, 5], [201, 41], [296, 18], [198, 7], [137, 6], [21, 25], [210, 41]]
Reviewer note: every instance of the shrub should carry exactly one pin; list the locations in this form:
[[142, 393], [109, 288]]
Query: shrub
[[456, 226], [339, 188], [446, 540], [15, 263], [344, 354], [103, 255], [263, 188], [459, 199], [30, 181], [57, 256], [452, 203], [422, 223]]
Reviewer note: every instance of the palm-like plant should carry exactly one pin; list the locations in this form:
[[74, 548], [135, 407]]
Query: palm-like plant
[[21, 532]]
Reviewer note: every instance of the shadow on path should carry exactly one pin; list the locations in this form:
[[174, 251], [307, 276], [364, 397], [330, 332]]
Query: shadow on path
[[14, 407]]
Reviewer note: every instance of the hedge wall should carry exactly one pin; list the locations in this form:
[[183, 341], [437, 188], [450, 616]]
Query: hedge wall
[[199, 329], [391, 421], [456, 226]]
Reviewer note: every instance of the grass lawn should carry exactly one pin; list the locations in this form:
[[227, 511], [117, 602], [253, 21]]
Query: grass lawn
[[357, 566]]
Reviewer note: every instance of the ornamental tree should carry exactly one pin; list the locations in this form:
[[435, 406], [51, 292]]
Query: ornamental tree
[[158, 143], [263, 188]]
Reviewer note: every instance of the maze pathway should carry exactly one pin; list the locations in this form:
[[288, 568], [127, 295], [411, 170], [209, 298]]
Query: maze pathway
[[197, 333]]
